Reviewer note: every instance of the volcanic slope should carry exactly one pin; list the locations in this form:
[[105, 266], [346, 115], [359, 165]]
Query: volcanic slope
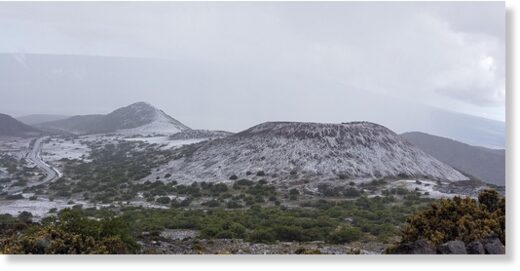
[[315, 151]]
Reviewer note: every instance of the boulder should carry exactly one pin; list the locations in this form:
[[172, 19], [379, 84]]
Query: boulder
[[493, 245], [452, 247], [417, 247], [475, 247]]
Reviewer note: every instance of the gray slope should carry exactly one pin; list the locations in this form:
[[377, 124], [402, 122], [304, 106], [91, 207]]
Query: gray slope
[[9, 126], [485, 164], [357, 150], [40, 118], [75, 124], [129, 117]]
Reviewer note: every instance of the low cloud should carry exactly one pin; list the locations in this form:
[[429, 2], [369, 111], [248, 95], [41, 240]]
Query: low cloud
[[436, 54]]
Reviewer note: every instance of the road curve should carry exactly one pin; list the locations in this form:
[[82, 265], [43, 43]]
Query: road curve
[[51, 173]]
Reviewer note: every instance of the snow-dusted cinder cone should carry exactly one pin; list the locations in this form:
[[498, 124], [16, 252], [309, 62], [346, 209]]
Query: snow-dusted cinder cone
[[313, 150]]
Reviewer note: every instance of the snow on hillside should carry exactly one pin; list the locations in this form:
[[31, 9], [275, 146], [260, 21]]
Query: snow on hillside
[[40, 207], [56, 149], [357, 150], [161, 125], [136, 119], [150, 120]]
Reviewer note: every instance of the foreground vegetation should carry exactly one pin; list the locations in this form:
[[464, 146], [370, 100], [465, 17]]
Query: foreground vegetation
[[69, 233], [106, 230], [382, 219], [463, 219]]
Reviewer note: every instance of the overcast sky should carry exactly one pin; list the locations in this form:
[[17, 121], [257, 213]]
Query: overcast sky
[[298, 61]]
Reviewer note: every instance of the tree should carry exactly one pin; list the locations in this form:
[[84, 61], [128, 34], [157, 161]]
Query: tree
[[163, 200], [25, 217]]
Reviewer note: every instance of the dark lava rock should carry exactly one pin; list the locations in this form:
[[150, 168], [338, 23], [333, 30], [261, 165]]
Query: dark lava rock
[[417, 247], [492, 245], [452, 247], [475, 247]]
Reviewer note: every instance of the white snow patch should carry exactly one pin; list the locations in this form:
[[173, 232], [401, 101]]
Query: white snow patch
[[58, 149], [423, 186], [161, 125], [38, 208]]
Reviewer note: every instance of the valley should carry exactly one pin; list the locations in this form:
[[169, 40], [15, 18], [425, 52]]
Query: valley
[[275, 188]]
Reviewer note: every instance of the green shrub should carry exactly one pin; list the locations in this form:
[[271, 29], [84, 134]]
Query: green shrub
[[232, 204], [458, 219], [293, 194], [351, 192], [211, 203], [262, 236], [163, 200], [72, 233], [344, 234]]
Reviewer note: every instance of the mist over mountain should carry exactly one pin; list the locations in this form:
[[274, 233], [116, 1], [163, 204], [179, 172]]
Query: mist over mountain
[[316, 151], [485, 164], [40, 118], [75, 124], [208, 97], [467, 129]]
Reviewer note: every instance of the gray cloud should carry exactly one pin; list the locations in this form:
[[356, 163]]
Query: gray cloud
[[446, 55]]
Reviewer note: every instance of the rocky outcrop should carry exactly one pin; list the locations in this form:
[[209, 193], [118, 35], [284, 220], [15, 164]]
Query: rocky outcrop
[[452, 247], [492, 245], [417, 247], [475, 247], [488, 245]]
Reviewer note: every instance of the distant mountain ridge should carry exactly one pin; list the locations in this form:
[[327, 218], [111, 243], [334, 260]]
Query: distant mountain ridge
[[350, 150], [9, 126], [472, 130], [485, 164], [40, 118], [137, 118], [75, 124]]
